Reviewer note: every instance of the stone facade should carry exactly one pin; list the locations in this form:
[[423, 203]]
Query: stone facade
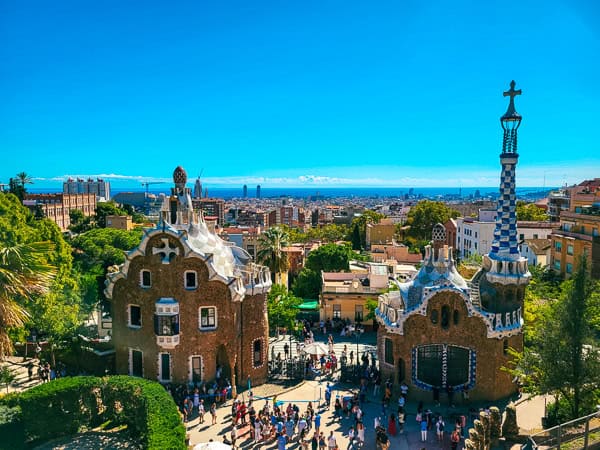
[[186, 302]]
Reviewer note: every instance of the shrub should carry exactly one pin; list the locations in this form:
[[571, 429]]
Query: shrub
[[11, 428], [69, 405]]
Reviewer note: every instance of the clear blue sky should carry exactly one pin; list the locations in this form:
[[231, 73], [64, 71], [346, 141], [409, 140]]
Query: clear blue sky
[[396, 93]]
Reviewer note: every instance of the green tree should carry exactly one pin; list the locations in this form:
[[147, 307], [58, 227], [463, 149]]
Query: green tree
[[564, 359], [270, 252], [104, 209], [7, 376], [24, 273], [282, 307], [79, 222], [327, 258], [361, 222], [355, 238], [530, 211], [100, 248], [423, 216]]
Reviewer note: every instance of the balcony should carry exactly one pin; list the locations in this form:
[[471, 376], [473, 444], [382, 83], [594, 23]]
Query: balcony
[[168, 341]]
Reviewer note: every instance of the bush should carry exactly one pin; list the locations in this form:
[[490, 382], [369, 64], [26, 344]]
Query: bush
[[69, 405], [11, 428]]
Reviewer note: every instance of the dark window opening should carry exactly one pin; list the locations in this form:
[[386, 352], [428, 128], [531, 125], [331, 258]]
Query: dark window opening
[[456, 316], [146, 278], [136, 363], [389, 351], [196, 368], [445, 316], [434, 316], [165, 366], [135, 316], [257, 352], [190, 280]]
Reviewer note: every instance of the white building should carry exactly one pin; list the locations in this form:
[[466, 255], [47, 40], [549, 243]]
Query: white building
[[474, 236], [537, 251]]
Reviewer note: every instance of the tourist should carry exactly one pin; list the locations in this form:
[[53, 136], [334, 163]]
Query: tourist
[[401, 420], [439, 427], [233, 436], [213, 413], [455, 439], [423, 429], [351, 437], [360, 432], [314, 442], [331, 441], [450, 392], [281, 441], [392, 425], [317, 422], [201, 411]]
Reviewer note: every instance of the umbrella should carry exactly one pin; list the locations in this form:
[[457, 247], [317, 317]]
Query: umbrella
[[316, 348], [212, 446]]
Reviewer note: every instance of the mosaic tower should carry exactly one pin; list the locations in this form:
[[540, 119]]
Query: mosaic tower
[[505, 264]]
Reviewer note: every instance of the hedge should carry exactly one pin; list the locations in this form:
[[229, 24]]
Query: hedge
[[70, 405]]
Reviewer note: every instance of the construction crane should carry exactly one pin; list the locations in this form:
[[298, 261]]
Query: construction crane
[[148, 183]]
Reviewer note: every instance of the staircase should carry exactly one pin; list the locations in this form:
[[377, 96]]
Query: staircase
[[474, 290]]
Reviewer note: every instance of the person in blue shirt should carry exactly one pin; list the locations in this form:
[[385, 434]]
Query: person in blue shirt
[[318, 423], [328, 395], [281, 442]]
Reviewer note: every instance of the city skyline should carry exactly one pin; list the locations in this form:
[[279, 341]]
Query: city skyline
[[326, 95]]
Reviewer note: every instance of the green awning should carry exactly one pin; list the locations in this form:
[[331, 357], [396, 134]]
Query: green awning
[[309, 305]]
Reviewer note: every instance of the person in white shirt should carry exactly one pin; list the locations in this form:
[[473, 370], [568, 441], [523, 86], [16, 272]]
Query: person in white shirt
[[331, 442]]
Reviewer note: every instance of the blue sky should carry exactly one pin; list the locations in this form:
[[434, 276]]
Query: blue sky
[[327, 93]]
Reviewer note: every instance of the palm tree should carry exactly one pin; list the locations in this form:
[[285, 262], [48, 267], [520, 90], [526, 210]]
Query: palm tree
[[24, 179], [24, 272], [270, 253]]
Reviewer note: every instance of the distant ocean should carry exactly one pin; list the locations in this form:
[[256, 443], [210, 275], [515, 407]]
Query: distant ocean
[[332, 192]]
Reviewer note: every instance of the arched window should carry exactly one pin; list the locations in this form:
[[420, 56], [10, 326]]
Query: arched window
[[445, 316], [455, 317], [434, 316]]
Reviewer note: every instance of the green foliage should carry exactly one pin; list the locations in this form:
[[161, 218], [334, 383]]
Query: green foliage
[[7, 376], [101, 248], [361, 222], [326, 233], [371, 305], [11, 428], [529, 211], [355, 238], [423, 216], [69, 405], [270, 251], [79, 222], [282, 307], [104, 209], [307, 284], [328, 258], [563, 358]]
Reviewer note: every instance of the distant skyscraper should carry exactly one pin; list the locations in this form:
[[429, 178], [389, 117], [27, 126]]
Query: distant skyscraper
[[198, 188], [245, 191], [258, 191], [90, 186]]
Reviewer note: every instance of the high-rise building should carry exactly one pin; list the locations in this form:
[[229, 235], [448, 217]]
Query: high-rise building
[[198, 188], [90, 186], [245, 191], [258, 191]]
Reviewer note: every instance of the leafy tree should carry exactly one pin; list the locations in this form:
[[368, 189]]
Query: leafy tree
[[423, 216], [564, 359], [355, 238], [270, 251], [79, 222], [361, 222], [530, 211], [307, 284], [326, 233], [104, 209], [282, 307], [371, 305], [7, 376], [328, 258], [24, 273], [100, 248]]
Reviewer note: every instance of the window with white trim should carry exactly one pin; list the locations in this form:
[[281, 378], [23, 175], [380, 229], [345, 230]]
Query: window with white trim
[[166, 317], [145, 278], [134, 316], [337, 311], [136, 363], [196, 368], [190, 279], [164, 367], [208, 318]]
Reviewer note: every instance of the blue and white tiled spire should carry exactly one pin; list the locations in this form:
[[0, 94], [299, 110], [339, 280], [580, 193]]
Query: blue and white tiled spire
[[504, 263]]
